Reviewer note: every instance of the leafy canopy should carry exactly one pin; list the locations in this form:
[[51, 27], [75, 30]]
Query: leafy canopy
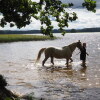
[[20, 12]]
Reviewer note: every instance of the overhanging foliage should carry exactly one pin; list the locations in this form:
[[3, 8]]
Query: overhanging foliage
[[19, 13]]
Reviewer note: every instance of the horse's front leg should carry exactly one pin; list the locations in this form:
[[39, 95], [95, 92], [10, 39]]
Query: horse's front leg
[[52, 60]]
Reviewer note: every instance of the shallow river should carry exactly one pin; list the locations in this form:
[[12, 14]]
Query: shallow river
[[52, 82]]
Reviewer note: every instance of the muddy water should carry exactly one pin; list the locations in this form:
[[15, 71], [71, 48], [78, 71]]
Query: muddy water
[[52, 82]]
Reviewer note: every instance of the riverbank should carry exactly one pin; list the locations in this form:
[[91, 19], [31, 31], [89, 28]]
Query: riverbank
[[18, 37]]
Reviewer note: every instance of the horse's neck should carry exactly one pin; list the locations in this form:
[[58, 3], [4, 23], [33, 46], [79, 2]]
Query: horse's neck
[[72, 47]]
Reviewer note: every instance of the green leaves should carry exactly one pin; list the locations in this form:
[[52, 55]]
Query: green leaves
[[47, 30], [54, 9], [3, 82], [90, 5], [3, 22], [19, 13]]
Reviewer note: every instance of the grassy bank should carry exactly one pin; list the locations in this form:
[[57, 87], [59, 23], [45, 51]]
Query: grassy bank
[[19, 37]]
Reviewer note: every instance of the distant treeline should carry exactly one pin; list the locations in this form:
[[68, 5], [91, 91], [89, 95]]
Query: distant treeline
[[19, 32], [89, 30], [54, 31]]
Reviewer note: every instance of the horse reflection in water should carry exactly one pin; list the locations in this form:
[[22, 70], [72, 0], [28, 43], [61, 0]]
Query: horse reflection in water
[[64, 52]]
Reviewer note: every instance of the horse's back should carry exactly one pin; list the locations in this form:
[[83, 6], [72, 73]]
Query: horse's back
[[49, 51], [56, 52]]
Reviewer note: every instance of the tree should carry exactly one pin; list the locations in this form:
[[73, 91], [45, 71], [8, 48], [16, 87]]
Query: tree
[[19, 13], [73, 30]]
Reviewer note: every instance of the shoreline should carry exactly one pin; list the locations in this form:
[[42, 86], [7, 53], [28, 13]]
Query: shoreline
[[5, 38]]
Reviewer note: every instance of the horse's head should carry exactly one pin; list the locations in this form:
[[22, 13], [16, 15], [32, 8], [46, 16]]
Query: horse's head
[[79, 45]]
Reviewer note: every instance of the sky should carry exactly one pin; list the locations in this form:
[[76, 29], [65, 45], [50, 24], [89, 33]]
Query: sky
[[78, 3], [86, 19]]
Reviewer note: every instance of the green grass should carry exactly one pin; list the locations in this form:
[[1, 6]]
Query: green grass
[[19, 37]]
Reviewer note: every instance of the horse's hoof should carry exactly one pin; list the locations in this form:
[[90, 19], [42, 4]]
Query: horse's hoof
[[70, 61], [53, 64], [83, 65], [67, 66]]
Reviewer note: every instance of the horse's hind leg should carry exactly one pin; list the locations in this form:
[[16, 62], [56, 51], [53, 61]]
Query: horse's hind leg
[[52, 60], [43, 62], [71, 60], [67, 62]]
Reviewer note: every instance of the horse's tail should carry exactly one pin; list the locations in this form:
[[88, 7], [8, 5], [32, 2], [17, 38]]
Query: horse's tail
[[39, 54]]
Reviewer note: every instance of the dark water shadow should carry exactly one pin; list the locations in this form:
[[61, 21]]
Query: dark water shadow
[[69, 71], [57, 67], [83, 69]]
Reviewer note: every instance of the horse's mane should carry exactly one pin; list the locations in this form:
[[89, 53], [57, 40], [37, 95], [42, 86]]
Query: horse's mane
[[69, 45]]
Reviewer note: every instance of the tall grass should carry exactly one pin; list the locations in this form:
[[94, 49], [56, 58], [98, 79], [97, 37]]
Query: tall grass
[[19, 37]]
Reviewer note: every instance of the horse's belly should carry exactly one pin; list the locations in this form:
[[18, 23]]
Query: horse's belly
[[59, 55], [62, 54]]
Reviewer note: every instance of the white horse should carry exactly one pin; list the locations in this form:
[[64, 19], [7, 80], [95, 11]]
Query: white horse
[[64, 52]]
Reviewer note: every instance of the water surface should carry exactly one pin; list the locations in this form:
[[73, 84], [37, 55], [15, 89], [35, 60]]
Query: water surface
[[52, 82]]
